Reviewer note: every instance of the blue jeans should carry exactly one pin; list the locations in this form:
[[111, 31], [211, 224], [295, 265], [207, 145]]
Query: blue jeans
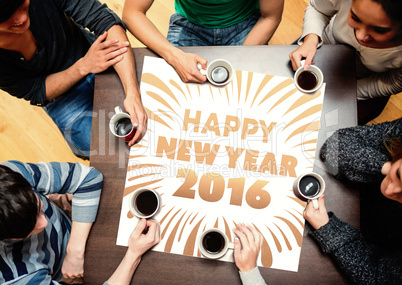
[[72, 113], [184, 33]]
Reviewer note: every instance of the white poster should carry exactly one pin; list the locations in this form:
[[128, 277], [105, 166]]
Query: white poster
[[219, 156]]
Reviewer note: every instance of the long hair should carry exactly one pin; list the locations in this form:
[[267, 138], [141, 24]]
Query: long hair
[[18, 205], [393, 9]]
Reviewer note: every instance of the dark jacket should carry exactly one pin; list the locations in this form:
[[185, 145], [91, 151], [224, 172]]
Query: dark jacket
[[58, 27]]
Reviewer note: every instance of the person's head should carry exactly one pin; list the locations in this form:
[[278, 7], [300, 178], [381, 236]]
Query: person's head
[[391, 186], [377, 23], [21, 212], [14, 16]]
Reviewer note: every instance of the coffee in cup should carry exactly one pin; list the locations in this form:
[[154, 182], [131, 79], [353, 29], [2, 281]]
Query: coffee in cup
[[213, 243], [310, 80], [219, 72], [309, 186], [120, 125], [145, 203]]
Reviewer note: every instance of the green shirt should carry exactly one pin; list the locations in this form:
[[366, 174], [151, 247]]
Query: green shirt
[[216, 13]]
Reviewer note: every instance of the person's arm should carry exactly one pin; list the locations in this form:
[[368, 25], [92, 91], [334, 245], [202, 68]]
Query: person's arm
[[380, 84], [246, 249], [85, 183], [101, 55], [358, 153], [316, 17], [263, 30], [346, 246], [185, 64], [138, 244], [73, 264], [127, 74]]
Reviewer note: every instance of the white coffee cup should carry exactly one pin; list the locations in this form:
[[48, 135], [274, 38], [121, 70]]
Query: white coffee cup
[[118, 117], [213, 243], [145, 203], [309, 186], [219, 72], [310, 80]]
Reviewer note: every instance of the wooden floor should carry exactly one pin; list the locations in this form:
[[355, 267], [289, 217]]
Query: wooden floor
[[28, 134]]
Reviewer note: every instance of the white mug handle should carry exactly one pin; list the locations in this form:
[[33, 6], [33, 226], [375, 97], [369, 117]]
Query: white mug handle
[[203, 71], [230, 245], [117, 109], [315, 203]]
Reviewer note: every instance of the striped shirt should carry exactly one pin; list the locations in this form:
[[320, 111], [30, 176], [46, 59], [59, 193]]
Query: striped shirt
[[38, 259]]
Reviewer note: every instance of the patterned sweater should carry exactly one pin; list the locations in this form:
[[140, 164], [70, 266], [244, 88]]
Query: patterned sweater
[[38, 259], [360, 262], [358, 154]]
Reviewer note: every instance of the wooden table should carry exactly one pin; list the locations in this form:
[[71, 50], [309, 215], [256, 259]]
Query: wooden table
[[110, 156]]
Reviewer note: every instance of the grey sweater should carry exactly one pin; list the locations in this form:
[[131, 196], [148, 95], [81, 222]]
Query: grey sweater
[[360, 262], [358, 154]]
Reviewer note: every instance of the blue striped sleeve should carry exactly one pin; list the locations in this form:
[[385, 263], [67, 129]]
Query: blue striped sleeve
[[85, 183], [40, 277]]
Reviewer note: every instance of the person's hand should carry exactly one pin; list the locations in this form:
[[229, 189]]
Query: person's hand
[[250, 239], [102, 54], [307, 50], [139, 118], [185, 65], [73, 265], [139, 242], [316, 218]]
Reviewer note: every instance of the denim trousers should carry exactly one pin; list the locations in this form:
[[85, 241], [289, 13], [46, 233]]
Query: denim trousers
[[72, 113], [184, 33]]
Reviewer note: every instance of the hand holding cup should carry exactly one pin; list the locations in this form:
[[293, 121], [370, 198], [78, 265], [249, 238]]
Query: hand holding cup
[[139, 242], [316, 217]]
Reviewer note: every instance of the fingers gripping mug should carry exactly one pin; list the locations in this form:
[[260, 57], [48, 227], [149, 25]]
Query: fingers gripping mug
[[120, 125], [309, 186]]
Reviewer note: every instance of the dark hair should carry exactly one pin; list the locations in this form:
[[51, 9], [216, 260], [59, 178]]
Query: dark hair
[[394, 148], [18, 205], [393, 9], [8, 8]]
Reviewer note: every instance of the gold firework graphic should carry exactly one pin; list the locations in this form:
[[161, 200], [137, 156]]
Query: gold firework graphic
[[223, 156]]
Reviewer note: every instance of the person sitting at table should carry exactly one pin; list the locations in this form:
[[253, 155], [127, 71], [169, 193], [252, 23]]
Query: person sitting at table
[[374, 29], [38, 243], [247, 246], [364, 155], [49, 58], [203, 23]]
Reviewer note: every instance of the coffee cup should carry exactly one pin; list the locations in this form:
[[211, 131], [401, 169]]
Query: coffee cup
[[120, 125], [310, 80], [213, 243], [309, 186], [219, 72], [144, 203]]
